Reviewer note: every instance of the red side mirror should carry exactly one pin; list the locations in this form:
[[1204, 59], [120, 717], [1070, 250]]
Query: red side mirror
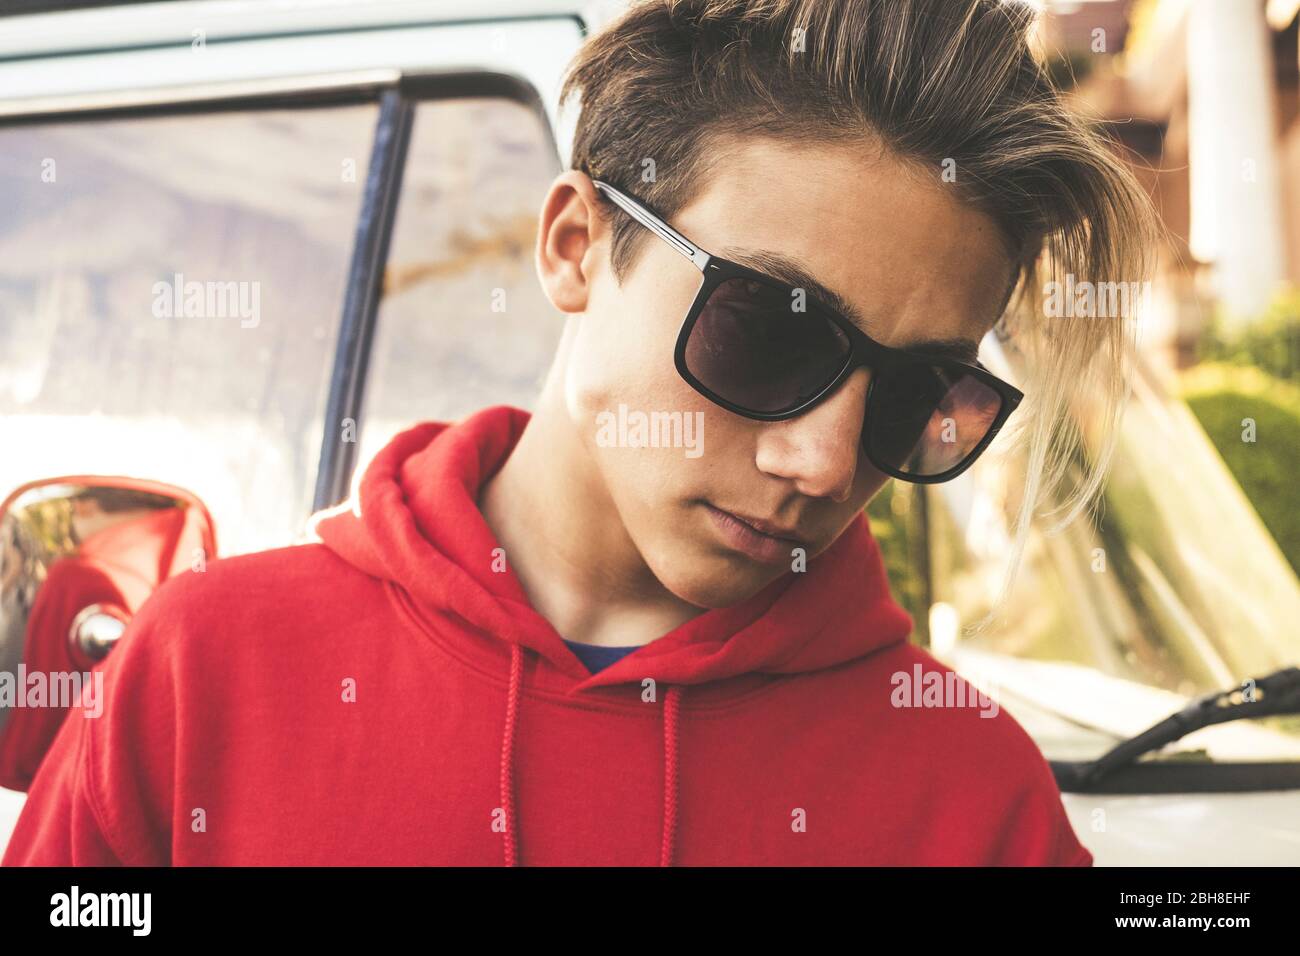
[[78, 556]]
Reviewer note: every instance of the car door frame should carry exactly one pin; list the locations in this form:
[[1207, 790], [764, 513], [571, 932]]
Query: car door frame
[[489, 70]]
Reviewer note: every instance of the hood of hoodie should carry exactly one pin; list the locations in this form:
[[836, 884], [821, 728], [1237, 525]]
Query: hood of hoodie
[[413, 520]]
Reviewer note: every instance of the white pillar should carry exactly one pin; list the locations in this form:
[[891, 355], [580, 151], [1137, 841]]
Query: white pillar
[[1236, 219]]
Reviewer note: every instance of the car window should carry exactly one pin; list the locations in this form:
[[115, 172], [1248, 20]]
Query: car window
[[463, 323], [170, 290]]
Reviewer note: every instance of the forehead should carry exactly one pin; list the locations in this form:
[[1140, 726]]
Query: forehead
[[899, 246]]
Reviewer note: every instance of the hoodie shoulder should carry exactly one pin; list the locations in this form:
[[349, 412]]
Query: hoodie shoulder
[[979, 762], [256, 574], [926, 688], [236, 632], [256, 599]]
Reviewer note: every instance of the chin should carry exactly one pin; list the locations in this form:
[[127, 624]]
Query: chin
[[716, 582]]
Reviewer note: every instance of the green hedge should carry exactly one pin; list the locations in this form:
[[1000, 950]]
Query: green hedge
[[1221, 395], [1269, 342]]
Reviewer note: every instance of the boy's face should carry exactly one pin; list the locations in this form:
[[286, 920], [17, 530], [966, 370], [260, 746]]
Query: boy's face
[[917, 263]]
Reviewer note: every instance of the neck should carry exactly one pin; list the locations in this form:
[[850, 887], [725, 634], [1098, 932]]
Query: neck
[[565, 542]]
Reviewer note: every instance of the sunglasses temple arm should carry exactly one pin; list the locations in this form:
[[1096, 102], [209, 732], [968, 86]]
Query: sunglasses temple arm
[[690, 250]]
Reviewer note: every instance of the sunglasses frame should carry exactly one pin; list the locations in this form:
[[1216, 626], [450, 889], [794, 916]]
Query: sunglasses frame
[[864, 351]]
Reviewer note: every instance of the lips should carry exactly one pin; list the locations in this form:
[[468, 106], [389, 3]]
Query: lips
[[755, 538]]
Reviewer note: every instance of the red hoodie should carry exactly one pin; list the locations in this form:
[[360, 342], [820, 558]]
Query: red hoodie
[[387, 695]]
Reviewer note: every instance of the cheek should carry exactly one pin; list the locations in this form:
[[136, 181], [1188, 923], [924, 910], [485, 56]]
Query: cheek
[[656, 488], [622, 358], [623, 351], [867, 483]]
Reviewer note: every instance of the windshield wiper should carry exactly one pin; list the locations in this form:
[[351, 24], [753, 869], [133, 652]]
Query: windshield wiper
[[1277, 693]]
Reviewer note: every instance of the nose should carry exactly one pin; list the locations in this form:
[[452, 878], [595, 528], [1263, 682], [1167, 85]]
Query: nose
[[819, 449]]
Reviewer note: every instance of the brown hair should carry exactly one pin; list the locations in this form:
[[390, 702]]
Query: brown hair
[[940, 84]]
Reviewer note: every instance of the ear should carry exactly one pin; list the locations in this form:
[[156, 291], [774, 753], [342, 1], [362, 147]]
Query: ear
[[572, 236]]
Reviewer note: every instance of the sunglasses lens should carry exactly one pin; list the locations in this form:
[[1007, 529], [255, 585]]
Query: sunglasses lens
[[751, 346], [926, 420]]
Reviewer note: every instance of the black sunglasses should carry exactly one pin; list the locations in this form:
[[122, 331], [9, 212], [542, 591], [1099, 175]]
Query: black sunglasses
[[763, 349]]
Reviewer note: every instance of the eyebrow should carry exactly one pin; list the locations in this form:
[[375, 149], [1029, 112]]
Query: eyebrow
[[789, 271]]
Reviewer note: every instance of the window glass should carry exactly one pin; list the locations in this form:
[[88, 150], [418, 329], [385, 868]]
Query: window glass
[[1173, 589], [170, 291], [463, 323]]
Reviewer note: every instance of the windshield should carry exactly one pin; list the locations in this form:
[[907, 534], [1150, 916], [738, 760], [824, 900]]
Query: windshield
[[1173, 589]]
